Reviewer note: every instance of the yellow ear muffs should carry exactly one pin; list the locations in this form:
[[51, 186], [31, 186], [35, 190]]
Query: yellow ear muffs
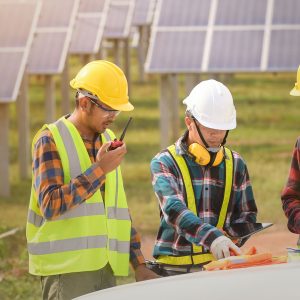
[[219, 157], [203, 157]]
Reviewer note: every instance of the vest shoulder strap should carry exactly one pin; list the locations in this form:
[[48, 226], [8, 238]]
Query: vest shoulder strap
[[191, 202], [228, 187]]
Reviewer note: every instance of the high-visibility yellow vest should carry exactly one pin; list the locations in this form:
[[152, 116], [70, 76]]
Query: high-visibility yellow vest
[[89, 236], [198, 256]]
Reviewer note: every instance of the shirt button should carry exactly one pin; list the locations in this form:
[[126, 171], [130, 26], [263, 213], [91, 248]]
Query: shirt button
[[206, 188]]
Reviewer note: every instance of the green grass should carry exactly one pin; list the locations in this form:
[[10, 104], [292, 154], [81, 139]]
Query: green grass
[[268, 125]]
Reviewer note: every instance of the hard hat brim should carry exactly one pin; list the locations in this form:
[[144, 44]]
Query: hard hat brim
[[295, 92], [219, 126], [122, 107]]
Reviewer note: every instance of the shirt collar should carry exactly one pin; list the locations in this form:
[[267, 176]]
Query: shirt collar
[[181, 146]]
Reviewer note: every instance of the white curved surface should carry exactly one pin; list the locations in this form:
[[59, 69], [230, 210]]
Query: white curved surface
[[274, 282]]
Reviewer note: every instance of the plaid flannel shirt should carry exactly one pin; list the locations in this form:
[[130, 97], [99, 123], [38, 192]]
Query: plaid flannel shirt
[[290, 195], [179, 227], [55, 198]]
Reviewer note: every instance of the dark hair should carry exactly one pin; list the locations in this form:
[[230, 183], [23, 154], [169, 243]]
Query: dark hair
[[188, 114]]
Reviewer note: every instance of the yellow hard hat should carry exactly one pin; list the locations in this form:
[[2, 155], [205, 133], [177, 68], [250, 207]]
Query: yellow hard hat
[[106, 81], [296, 90]]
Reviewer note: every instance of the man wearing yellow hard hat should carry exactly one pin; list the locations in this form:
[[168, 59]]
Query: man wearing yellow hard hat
[[79, 229], [290, 195]]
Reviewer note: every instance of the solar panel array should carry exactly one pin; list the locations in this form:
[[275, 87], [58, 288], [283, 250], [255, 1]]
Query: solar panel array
[[15, 44], [89, 27], [119, 19], [51, 43], [143, 12], [224, 36]]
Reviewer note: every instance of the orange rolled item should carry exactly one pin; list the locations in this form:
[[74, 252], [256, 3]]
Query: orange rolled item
[[245, 261]]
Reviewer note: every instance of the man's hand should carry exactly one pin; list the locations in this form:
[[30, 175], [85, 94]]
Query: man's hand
[[110, 160], [143, 273], [223, 247]]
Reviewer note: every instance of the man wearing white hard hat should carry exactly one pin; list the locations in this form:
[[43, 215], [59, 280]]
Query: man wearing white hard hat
[[290, 196], [202, 187]]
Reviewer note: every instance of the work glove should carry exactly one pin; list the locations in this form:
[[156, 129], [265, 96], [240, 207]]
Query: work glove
[[223, 247]]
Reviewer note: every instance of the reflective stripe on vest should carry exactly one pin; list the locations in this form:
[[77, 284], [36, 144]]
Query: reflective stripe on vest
[[88, 236], [199, 256]]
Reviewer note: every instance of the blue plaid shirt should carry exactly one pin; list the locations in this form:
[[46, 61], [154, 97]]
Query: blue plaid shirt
[[179, 227]]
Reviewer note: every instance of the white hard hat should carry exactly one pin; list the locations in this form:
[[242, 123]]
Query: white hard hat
[[211, 103]]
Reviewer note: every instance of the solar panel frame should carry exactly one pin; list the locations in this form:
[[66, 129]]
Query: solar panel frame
[[34, 64], [268, 17], [89, 27], [112, 29], [10, 47]]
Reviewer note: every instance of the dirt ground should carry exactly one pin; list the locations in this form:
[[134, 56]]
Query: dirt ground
[[275, 240]]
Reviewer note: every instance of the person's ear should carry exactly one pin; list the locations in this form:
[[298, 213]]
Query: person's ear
[[188, 122], [84, 104]]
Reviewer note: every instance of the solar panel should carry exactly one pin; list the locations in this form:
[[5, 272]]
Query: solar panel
[[286, 12], [119, 19], [10, 63], [241, 12], [178, 58], [89, 27], [285, 53], [236, 50], [143, 12], [17, 23], [50, 45], [237, 36], [175, 26], [175, 13]]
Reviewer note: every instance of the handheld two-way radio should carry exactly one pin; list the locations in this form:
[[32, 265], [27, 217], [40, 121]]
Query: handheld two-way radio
[[118, 143]]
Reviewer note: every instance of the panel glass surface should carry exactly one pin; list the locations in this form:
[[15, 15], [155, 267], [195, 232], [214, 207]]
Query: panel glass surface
[[236, 50], [15, 23], [286, 12], [241, 12], [16, 30], [84, 35], [55, 13], [285, 50], [10, 67], [91, 6], [178, 51], [141, 12], [240, 34], [46, 52], [116, 21], [184, 13]]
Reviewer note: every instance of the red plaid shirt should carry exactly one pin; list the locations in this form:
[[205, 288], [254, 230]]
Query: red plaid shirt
[[290, 195], [55, 197]]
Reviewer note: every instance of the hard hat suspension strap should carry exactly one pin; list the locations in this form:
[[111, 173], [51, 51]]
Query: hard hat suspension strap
[[225, 137], [199, 133]]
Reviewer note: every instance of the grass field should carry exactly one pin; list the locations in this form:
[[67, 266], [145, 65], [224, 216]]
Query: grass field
[[268, 125]]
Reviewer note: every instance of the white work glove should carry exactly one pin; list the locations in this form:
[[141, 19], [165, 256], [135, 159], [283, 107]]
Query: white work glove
[[222, 246]]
